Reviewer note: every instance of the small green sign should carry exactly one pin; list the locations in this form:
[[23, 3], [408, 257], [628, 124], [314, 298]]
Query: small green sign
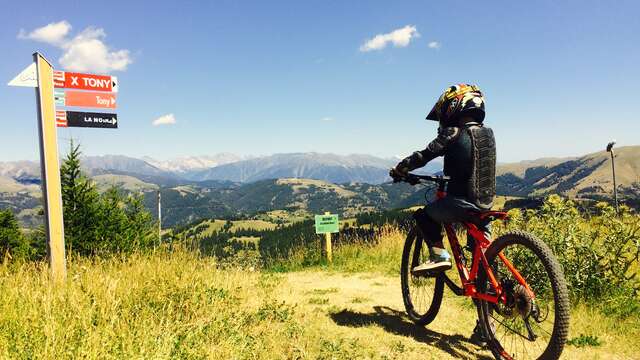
[[327, 224]]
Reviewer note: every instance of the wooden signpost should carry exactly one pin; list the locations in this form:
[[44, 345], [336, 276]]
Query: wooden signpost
[[40, 75], [327, 224]]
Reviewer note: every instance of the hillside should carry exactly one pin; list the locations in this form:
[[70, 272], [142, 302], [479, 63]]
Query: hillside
[[311, 183], [302, 196], [587, 177]]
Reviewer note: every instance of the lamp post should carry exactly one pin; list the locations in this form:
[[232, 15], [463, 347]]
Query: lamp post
[[613, 169]]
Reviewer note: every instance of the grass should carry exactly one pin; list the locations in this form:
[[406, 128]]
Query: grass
[[180, 305], [158, 306], [584, 340], [216, 225], [319, 301]]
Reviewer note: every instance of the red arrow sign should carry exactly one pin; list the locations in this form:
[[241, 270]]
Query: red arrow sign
[[71, 80], [90, 99]]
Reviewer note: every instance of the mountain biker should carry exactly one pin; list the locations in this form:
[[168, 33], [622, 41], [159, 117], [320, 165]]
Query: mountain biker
[[469, 154]]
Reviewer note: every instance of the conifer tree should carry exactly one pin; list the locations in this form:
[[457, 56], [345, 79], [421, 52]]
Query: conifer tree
[[80, 202], [13, 244]]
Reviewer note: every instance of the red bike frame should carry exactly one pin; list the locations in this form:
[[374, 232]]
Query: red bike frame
[[468, 277]]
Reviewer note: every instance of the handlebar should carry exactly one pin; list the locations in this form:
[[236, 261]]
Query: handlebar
[[414, 179]]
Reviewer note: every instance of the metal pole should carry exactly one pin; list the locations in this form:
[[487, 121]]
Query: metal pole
[[615, 187], [159, 218]]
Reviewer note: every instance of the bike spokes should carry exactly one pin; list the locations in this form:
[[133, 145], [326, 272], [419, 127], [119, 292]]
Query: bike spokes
[[420, 287], [524, 320], [422, 295]]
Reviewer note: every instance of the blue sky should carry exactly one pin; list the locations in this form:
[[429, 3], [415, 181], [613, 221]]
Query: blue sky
[[263, 77]]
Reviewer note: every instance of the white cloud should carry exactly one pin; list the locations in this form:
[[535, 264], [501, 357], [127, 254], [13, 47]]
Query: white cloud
[[168, 119], [327, 118], [54, 33], [399, 38], [85, 52], [434, 45]]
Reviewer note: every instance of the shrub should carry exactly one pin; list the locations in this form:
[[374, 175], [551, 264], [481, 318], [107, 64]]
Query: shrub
[[14, 245], [599, 253]]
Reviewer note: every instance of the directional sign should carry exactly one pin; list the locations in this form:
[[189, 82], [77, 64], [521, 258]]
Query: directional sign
[[85, 99], [90, 119], [69, 80], [327, 224]]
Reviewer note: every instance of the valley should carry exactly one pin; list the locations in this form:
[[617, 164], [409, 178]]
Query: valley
[[227, 186]]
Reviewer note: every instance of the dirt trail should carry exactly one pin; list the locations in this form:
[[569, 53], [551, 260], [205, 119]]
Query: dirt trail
[[367, 310]]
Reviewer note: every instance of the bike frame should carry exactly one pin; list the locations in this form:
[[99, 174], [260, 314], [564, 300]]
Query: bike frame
[[468, 277]]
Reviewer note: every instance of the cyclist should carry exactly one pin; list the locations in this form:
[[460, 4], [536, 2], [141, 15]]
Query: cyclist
[[469, 154]]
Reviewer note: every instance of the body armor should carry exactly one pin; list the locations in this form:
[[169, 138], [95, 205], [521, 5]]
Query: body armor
[[470, 161]]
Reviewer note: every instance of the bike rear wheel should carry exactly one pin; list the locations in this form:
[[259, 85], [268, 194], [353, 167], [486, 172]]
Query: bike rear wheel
[[422, 295], [526, 326]]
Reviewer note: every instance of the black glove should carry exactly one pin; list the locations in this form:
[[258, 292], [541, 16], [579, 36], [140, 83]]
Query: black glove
[[398, 172]]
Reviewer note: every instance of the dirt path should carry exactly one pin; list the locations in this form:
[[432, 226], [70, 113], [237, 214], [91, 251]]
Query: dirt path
[[367, 312], [369, 308]]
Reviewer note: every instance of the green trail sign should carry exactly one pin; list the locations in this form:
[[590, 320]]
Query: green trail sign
[[326, 224]]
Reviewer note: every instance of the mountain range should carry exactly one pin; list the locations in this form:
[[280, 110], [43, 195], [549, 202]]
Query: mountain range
[[226, 184], [228, 167]]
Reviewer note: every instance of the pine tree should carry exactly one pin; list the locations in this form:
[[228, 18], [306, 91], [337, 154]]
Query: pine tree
[[100, 224], [13, 244], [81, 205]]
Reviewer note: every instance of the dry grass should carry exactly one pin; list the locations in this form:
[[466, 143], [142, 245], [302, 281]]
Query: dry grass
[[181, 306]]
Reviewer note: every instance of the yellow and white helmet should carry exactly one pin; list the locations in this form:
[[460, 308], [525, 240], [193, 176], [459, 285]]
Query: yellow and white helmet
[[457, 100]]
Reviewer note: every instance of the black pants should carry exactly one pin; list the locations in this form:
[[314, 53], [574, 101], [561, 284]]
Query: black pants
[[449, 209]]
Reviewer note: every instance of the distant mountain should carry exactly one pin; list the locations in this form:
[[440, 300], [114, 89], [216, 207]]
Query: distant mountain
[[228, 167], [333, 168], [313, 182], [189, 164], [122, 164], [24, 172]]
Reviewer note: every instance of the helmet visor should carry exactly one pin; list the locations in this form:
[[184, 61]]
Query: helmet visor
[[433, 114]]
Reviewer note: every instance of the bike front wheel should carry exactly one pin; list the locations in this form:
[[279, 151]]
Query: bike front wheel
[[533, 320], [422, 295]]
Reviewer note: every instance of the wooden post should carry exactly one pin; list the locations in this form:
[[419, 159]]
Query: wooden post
[[327, 244], [50, 168]]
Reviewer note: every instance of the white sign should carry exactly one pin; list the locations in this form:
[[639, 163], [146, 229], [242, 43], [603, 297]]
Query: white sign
[[28, 77]]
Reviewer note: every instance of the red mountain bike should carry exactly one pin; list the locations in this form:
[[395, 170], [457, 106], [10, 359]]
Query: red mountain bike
[[515, 282]]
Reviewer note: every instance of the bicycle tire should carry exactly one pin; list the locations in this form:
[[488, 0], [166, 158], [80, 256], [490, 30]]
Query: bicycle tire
[[414, 240], [555, 275]]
